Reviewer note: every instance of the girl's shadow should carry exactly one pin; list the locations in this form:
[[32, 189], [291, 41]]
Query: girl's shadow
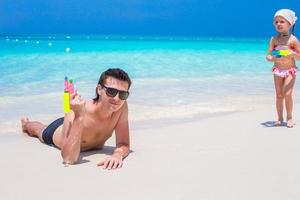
[[270, 124]]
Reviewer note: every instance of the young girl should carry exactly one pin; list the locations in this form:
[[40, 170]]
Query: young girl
[[284, 68]]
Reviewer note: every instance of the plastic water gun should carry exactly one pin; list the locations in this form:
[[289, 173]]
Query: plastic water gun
[[280, 53], [69, 88]]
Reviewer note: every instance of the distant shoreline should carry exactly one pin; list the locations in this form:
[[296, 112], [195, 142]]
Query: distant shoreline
[[130, 37]]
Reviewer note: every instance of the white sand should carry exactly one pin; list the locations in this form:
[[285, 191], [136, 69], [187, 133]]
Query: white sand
[[230, 157]]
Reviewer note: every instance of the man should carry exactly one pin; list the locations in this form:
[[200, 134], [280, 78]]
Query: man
[[90, 123]]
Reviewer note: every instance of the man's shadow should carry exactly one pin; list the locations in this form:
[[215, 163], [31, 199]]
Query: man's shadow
[[105, 150], [269, 124]]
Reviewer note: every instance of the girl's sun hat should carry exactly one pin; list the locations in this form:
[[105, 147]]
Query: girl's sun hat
[[287, 14]]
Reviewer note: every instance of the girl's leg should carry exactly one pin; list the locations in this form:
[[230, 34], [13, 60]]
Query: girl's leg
[[34, 128], [278, 82], [289, 83]]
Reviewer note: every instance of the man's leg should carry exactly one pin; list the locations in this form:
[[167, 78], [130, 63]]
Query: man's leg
[[34, 128]]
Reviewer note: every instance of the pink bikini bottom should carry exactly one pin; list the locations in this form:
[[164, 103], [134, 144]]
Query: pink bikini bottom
[[284, 72]]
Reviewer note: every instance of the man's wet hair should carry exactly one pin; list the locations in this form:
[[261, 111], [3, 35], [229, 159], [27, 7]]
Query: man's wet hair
[[115, 73]]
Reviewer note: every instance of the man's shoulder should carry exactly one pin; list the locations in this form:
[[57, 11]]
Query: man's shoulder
[[90, 105], [122, 113], [125, 105], [123, 109]]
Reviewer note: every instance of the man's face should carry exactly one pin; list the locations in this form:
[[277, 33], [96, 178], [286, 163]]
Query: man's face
[[110, 97], [281, 24]]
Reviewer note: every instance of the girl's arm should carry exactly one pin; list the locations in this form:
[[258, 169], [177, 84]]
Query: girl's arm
[[296, 52], [269, 57]]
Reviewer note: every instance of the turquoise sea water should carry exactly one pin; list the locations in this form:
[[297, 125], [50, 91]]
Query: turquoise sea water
[[174, 78]]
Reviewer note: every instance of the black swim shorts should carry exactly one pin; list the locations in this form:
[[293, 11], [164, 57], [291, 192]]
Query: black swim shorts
[[49, 131]]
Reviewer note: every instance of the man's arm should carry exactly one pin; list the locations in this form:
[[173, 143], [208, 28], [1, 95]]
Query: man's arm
[[72, 130], [122, 142], [122, 134]]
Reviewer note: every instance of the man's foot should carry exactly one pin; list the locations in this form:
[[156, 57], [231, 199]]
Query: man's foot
[[289, 123], [24, 121]]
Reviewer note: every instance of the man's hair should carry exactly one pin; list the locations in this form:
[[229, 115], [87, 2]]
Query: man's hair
[[115, 73]]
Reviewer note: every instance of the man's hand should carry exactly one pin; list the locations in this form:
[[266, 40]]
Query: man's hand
[[112, 162], [77, 104]]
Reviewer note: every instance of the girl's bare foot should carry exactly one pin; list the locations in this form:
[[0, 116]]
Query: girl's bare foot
[[289, 123], [279, 123], [24, 121]]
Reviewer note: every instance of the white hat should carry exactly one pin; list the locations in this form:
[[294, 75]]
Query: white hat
[[287, 14]]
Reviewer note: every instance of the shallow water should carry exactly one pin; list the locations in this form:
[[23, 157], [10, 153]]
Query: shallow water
[[173, 78]]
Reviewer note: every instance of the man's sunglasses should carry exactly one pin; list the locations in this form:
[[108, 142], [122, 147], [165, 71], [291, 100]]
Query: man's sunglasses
[[112, 92]]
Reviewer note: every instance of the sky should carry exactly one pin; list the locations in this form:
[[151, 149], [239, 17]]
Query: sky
[[230, 18]]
